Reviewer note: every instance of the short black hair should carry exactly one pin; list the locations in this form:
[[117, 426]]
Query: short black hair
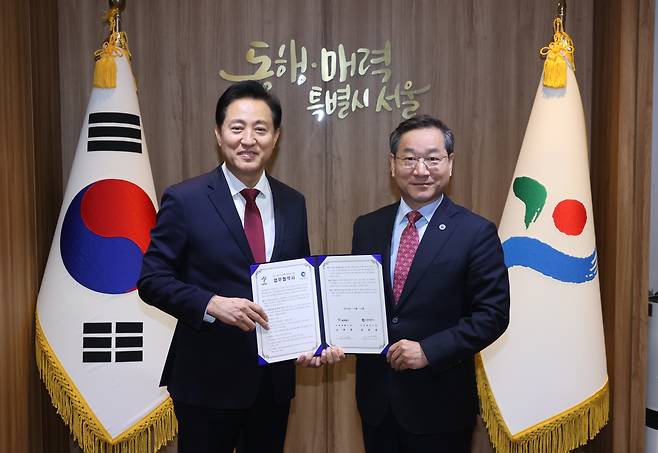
[[248, 89], [422, 122]]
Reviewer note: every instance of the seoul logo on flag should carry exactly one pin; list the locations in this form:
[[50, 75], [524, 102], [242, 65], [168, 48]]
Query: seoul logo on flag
[[569, 217], [105, 234]]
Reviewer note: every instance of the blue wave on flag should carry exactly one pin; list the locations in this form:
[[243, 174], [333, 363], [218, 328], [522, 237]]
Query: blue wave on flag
[[541, 257]]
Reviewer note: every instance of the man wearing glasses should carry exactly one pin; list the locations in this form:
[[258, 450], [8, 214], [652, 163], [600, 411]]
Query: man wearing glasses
[[447, 298]]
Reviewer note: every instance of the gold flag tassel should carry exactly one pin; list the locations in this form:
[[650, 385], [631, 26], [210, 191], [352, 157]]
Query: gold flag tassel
[[105, 71], [555, 66], [559, 434]]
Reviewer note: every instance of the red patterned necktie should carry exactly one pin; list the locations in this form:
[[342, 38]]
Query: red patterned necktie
[[253, 225], [406, 251]]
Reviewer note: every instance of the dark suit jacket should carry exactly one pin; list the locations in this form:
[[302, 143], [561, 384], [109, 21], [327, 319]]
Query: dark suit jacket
[[455, 302], [198, 249]]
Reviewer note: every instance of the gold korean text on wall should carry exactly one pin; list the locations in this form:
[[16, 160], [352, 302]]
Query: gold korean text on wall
[[334, 64]]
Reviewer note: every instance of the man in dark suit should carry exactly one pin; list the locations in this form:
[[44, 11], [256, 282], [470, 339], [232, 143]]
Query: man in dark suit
[[209, 230], [447, 298]]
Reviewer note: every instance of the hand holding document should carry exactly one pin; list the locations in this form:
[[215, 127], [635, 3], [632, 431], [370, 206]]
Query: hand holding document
[[318, 302], [286, 291]]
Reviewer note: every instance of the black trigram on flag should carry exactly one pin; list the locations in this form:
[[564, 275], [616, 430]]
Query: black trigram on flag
[[98, 339], [114, 131]]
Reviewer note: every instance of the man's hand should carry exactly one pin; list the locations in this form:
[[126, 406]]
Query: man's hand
[[307, 360], [406, 355], [332, 354], [238, 312]]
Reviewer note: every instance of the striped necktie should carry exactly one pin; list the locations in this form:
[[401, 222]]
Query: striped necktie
[[406, 252]]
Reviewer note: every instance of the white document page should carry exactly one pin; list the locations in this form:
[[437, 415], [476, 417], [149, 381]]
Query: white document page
[[353, 303], [286, 290]]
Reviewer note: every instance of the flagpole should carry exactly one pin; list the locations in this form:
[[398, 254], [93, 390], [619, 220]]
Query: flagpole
[[119, 5], [116, 8], [561, 11]]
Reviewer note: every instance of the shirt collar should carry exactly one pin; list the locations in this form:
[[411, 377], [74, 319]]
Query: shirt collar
[[235, 185], [426, 211]]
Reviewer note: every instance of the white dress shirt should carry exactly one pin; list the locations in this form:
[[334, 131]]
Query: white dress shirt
[[263, 201], [265, 206]]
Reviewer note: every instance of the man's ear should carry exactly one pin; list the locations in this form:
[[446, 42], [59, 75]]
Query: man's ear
[[391, 163], [217, 136], [276, 137]]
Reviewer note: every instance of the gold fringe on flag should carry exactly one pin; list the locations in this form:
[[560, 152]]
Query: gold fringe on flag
[[555, 66], [147, 436], [105, 70], [559, 434]]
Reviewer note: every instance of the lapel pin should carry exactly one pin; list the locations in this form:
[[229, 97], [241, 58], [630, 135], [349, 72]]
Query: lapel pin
[[442, 226]]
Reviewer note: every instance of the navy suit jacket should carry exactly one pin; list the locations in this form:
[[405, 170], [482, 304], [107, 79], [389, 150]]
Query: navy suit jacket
[[198, 249], [455, 302]]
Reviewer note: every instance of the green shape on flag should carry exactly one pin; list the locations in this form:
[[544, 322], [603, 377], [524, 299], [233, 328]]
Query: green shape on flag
[[533, 194]]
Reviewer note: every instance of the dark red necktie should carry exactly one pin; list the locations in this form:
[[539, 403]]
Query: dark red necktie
[[253, 225], [406, 252]]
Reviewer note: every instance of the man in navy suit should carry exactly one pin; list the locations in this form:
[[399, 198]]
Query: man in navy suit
[[447, 299], [209, 230]]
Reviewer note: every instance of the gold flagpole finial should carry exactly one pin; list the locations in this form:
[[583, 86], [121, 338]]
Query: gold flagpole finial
[[119, 6], [562, 11], [116, 45]]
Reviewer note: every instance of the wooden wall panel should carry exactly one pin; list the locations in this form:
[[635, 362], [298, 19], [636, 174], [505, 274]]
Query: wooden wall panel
[[47, 171], [621, 144], [17, 245], [30, 187], [637, 255]]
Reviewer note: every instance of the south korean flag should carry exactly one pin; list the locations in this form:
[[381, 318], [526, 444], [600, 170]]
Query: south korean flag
[[100, 349]]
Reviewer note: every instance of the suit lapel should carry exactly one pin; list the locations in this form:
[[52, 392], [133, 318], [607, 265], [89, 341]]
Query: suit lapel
[[385, 234], [221, 198], [439, 230], [279, 217]]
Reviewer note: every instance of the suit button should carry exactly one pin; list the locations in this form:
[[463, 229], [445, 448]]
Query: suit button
[[395, 320]]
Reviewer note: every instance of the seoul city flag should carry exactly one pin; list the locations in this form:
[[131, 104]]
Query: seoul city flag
[[99, 348], [543, 385]]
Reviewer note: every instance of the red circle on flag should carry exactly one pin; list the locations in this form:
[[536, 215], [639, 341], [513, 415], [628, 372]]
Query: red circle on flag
[[570, 217]]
